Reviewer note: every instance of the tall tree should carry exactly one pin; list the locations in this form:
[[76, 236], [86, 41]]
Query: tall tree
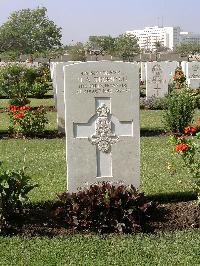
[[160, 47], [28, 31], [126, 46], [105, 44]]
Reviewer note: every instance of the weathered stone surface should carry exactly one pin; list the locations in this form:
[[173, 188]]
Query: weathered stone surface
[[158, 77], [102, 123]]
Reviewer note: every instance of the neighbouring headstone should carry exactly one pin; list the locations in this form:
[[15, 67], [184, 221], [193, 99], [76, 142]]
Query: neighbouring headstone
[[184, 66], [143, 71], [193, 74], [52, 72], [102, 123], [59, 92], [170, 67], [158, 77]]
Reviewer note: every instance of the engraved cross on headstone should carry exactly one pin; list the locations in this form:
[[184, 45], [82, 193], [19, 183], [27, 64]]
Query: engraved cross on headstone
[[157, 77], [103, 130], [157, 90]]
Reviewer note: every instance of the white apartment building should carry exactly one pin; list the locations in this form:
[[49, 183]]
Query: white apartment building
[[149, 36], [188, 37]]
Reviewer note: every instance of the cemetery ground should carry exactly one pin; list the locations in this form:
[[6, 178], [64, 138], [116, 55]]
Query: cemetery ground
[[173, 238]]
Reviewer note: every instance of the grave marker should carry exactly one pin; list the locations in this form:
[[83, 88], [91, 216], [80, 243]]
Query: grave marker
[[193, 74], [158, 77], [102, 123], [58, 81]]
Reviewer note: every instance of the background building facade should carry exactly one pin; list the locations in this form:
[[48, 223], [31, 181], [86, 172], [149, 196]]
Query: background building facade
[[168, 37]]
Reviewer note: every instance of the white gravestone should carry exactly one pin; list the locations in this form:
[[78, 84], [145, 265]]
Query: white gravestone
[[143, 71], [184, 67], [158, 77], [170, 67], [193, 74], [102, 123], [59, 91], [52, 71], [156, 81]]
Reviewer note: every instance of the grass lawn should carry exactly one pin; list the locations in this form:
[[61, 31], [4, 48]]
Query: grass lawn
[[179, 248], [161, 174], [34, 102]]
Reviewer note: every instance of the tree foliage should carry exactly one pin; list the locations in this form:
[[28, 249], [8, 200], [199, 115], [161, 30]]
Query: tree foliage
[[28, 31], [77, 52], [105, 44], [160, 47], [188, 48], [123, 46], [126, 46]]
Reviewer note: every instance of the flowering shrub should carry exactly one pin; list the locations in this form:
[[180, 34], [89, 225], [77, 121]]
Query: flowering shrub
[[42, 84], [16, 81], [180, 110], [39, 88], [188, 147], [179, 78], [27, 122]]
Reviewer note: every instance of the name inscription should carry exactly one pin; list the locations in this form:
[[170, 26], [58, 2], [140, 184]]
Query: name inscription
[[97, 82]]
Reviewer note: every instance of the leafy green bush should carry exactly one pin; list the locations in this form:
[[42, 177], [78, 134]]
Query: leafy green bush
[[16, 81], [196, 95], [39, 89], [104, 207], [42, 84], [14, 187], [180, 110], [27, 122]]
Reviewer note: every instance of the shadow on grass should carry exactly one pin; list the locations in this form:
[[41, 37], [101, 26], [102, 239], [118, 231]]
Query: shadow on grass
[[47, 134], [36, 219], [146, 132], [46, 96], [4, 134], [173, 197], [50, 134]]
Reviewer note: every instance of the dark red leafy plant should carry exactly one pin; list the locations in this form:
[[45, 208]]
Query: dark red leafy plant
[[104, 208]]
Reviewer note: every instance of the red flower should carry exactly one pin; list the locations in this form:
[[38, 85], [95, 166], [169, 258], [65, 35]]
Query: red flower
[[20, 115], [190, 130], [14, 108], [198, 122], [182, 147]]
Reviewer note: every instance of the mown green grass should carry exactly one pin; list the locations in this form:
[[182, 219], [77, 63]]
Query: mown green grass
[[34, 102], [178, 248], [45, 163], [161, 174], [151, 120]]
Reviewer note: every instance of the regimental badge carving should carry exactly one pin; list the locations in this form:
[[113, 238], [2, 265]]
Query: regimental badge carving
[[195, 69], [103, 137], [157, 73]]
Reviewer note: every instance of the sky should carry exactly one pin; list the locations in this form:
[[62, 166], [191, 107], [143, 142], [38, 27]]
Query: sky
[[80, 19]]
